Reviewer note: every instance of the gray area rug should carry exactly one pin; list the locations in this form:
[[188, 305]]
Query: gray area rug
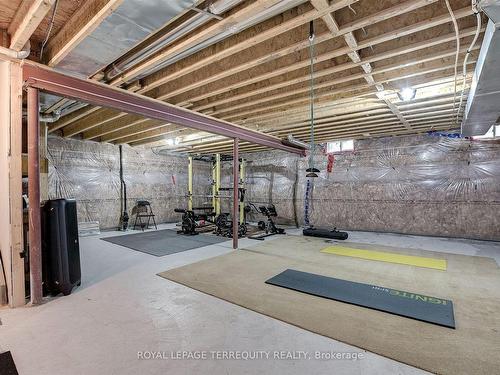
[[164, 242]]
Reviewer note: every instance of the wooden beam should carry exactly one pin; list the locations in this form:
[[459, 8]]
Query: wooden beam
[[11, 205], [354, 77], [257, 7], [394, 109], [160, 78], [304, 110], [50, 81], [336, 123], [209, 31], [71, 118], [166, 75], [387, 129], [81, 24], [319, 120], [420, 26], [95, 119], [391, 131], [138, 132], [166, 92], [242, 45], [334, 127], [281, 118], [370, 115], [245, 65], [436, 111], [194, 132], [26, 20], [165, 131], [327, 124], [118, 123], [344, 67], [356, 126], [342, 91], [351, 41], [338, 113]]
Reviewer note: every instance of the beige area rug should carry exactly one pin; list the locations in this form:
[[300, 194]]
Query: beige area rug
[[472, 283]]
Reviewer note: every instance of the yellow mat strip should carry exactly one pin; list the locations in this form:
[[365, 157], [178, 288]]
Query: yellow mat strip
[[438, 264]]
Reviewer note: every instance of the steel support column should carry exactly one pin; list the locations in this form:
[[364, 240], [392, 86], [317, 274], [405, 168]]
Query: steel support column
[[235, 192], [35, 236]]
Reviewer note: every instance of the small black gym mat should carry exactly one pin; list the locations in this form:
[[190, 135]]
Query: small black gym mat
[[164, 242], [411, 305], [7, 365]]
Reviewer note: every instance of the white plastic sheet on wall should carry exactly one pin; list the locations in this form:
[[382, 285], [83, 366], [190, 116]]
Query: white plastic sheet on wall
[[414, 184], [90, 173]]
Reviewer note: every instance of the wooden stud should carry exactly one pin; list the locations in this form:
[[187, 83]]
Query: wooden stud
[[11, 205]]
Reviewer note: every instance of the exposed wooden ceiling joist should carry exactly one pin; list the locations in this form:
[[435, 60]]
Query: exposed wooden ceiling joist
[[81, 24], [252, 40], [373, 41], [384, 131], [259, 77], [355, 119], [26, 20], [260, 128]]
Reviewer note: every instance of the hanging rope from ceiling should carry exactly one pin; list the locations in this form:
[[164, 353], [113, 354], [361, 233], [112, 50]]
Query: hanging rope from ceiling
[[311, 171]]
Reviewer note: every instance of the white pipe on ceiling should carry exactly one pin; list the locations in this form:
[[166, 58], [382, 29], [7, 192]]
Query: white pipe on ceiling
[[24, 53]]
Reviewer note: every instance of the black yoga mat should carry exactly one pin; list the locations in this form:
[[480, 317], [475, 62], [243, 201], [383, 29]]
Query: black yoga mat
[[411, 305]]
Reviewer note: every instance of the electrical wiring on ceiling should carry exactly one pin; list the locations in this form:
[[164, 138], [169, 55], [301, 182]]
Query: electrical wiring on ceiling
[[51, 25]]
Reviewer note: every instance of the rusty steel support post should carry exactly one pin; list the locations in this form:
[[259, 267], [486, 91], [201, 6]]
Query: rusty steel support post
[[35, 236], [236, 176]]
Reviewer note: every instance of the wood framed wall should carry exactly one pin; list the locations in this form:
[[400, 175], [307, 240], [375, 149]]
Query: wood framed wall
[[11, 207]]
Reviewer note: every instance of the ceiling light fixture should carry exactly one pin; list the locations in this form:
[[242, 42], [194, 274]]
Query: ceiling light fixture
[[173, 141], [407, 94]]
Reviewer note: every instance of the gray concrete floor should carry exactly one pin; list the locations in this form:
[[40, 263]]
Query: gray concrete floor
[[123, 308]]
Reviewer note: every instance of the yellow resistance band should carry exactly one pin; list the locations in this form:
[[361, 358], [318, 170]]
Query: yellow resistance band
[[437, 264]]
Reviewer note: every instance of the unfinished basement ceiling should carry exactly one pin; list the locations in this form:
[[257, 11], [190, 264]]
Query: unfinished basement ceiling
[[249, 65], [129, 24]]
